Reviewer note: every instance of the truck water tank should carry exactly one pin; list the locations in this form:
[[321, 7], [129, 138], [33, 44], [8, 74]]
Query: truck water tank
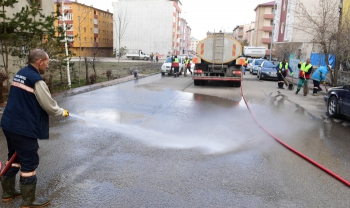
[[219, 48]]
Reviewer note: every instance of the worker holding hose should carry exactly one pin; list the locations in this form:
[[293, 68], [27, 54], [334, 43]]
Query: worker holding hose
[[24, 121]]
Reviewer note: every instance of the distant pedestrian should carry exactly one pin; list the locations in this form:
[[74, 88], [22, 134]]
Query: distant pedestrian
[[157, 57], [282, 70], [319, 76], [304, 75], [151, 56]]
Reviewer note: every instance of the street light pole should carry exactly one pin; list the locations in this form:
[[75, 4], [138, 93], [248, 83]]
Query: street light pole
[[65, 43]]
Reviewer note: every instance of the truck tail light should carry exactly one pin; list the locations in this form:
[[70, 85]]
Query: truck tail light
[[198, 71], [237, 72]]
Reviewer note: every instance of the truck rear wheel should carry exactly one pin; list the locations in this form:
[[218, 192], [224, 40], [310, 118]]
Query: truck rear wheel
[[196, 82]]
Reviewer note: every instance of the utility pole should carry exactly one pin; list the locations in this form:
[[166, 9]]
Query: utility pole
[[65, 44], [338, 58]]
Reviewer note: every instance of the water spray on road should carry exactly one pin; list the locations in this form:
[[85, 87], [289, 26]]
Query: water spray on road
[[209, 144]]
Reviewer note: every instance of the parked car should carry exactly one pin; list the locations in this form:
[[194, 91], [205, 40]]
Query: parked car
[[337, 101], [255, 64], [165, 68], [267, 70]]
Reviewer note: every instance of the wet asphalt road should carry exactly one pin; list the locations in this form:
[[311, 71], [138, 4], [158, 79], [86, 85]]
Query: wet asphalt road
[[162, 142]]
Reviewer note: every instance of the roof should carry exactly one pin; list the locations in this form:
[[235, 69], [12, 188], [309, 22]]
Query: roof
[[271, 3]]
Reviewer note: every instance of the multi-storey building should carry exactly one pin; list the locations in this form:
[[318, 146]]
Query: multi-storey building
[[90, 30], [285, 32], [194, 43], [243, 33], [153, 25], [263, 25], [185, 37], [238, 32]]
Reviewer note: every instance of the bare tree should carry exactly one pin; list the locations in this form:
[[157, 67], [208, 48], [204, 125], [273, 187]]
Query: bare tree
[[121, 23], [321, 22], [81, 19], [283, 51]]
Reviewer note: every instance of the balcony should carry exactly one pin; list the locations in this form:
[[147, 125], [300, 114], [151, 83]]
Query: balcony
[[267, 28], [266, 40], [268, 16]]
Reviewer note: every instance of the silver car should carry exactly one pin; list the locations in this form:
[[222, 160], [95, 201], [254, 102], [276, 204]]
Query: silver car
[[255, 64]]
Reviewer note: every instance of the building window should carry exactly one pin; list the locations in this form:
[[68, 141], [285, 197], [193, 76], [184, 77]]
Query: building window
[[271, 22]]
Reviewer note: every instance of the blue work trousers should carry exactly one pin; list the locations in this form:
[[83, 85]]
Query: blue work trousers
[[26, 148]]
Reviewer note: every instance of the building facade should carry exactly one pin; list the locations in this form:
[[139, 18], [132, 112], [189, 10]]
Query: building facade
[[238, 32], [185, 37], [194, 42], [90, 30], [263, 25], [154, 26]]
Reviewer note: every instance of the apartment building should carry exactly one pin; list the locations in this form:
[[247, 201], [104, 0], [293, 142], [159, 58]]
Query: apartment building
[[185, 37], [264, 25], [194, 42], [238, 32], [243, 33], [286, 32], [90, 30], [153, 26]]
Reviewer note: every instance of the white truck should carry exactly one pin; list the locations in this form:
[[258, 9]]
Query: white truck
[[254, 52], [138, 56], [218, 59]]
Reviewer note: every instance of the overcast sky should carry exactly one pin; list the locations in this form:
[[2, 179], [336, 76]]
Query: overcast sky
[[212, 15]]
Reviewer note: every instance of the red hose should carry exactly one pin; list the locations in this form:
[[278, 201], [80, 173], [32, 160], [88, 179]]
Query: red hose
[[8, 165], [292, 149]]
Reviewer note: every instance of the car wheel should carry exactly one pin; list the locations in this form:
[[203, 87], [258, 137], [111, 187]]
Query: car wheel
[[332, 107]]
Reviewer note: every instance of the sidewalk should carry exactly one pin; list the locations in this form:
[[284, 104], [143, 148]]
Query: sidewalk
[[311, 85]]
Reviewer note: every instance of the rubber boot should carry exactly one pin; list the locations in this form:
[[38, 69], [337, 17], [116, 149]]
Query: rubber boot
[[28, 196], [9, 191], [297, 91]]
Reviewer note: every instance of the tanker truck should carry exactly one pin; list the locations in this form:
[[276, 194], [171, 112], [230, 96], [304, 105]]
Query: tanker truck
[[218, 58]]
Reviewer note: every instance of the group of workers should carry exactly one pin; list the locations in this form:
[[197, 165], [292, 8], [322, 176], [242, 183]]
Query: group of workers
[[175, 65], [305, 73]]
